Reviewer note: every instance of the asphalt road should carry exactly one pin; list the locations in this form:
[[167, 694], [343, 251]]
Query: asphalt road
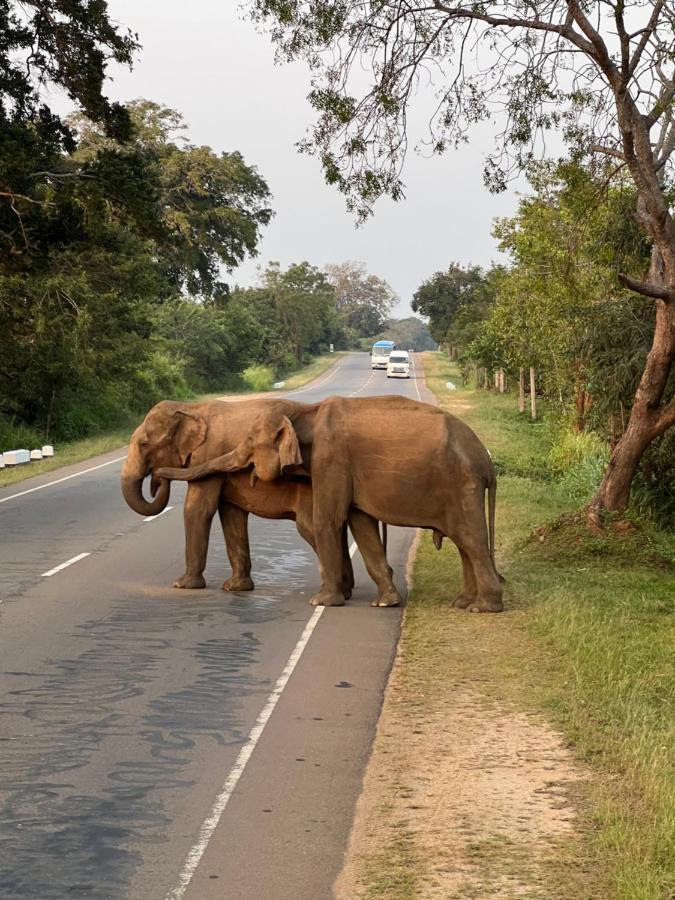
[[157, 743]]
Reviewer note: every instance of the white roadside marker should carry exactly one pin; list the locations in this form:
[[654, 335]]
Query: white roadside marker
[[210, 824], [152, 518], [64, 565]]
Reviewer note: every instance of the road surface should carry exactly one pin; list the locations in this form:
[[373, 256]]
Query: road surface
[[157, 743]]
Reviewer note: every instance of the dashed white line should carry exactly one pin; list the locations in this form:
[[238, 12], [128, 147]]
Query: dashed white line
[[64, 565], [211, 822], [59, 480], [152, 518]]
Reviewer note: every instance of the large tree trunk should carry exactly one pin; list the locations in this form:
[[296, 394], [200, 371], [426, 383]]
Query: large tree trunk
[[648, 418]]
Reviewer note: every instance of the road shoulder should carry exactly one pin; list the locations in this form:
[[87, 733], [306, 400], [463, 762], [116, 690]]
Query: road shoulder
[[469, 792]]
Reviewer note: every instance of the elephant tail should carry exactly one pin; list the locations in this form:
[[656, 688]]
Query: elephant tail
[[492, 502], [384, 537], [438, 538]]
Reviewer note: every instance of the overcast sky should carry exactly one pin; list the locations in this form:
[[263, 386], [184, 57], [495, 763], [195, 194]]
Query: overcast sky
[[203, 59]]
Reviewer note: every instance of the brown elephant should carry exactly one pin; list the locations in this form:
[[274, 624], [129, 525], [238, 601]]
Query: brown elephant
[[400, 461], [174, 434]]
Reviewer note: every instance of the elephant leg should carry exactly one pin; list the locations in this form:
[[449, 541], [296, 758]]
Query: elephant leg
[[367, 536], [235, 531], [347, 582], [469, 588], [201, 503], [328, 534], [304, 526], [473, 542]]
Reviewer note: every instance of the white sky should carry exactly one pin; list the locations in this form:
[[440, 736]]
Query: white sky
[[204, 60]]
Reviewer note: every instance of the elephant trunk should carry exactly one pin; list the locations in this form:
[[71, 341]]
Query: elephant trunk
[[133, 474]]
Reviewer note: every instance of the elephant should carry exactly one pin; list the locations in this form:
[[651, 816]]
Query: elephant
[[176, 433], [401, 461]]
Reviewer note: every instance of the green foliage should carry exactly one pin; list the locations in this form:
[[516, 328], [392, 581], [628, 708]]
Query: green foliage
[[363, 301], [410, 334], [560, 308], [580, 458], [98, 307], [258, 378]]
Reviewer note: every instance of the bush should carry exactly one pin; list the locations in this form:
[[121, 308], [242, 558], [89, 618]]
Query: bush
[[258, 378], [581, 459], [15, 436]]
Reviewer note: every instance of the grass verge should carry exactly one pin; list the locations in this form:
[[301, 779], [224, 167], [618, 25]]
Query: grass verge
[[587, 644], [67, 455]]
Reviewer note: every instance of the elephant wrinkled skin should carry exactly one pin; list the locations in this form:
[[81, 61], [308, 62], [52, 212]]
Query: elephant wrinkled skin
[[400, 461]]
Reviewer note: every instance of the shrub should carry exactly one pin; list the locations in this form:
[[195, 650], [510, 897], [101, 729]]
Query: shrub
[[258, 378], [581, 459]]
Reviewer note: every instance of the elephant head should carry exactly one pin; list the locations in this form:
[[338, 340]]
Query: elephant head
[[271, 445], [167, 437]]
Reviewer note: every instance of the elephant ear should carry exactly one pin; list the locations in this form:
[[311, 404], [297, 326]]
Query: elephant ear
[[189, 433], [289, 448]]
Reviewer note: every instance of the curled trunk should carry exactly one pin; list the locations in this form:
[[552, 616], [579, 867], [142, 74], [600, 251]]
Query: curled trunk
[[132, 491]]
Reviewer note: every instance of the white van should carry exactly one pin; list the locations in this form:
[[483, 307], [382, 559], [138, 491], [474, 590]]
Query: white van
[[398, 365]]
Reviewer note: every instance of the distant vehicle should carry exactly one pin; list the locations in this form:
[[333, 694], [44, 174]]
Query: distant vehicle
[[379, 355], [399, 364]]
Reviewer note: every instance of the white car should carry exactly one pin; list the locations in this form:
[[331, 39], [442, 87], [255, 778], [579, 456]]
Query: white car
[[398, 365]]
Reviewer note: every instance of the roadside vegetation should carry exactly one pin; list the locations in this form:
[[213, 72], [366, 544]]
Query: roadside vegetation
[[119, 240], [587, 644], [70, 452]]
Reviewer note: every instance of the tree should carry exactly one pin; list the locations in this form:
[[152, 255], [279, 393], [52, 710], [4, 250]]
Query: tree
[[210, 207], [49, 44], [305, 304], [410, 334], [363, 301], [443, 295], [603, 71]]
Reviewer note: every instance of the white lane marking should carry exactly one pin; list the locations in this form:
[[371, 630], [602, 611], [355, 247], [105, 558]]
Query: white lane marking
[[59, 480], [64, 565], [152, 518], [364, 385], [210, 824], [316, 384], [419, 396]]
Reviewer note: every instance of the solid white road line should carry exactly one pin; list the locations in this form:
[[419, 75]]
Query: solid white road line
[[419, 396], [211, 822], [59, 480], [152, 518], [64, 565], [315, 384]]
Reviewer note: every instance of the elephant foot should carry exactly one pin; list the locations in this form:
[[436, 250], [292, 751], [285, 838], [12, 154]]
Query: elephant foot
[[387, 598], [327, 598], [190, 582], [238, 583], [463, 601], [487, 604]]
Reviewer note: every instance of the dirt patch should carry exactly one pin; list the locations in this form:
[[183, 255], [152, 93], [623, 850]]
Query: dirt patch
[[473, 797]]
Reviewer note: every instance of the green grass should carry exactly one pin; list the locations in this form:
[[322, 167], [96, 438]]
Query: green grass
[[66, 455], [588, 640]]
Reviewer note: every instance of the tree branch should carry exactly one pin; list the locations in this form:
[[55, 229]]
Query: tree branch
[[565, 30], [646, 34], [665, 420], [656, 291], [610, 151]]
